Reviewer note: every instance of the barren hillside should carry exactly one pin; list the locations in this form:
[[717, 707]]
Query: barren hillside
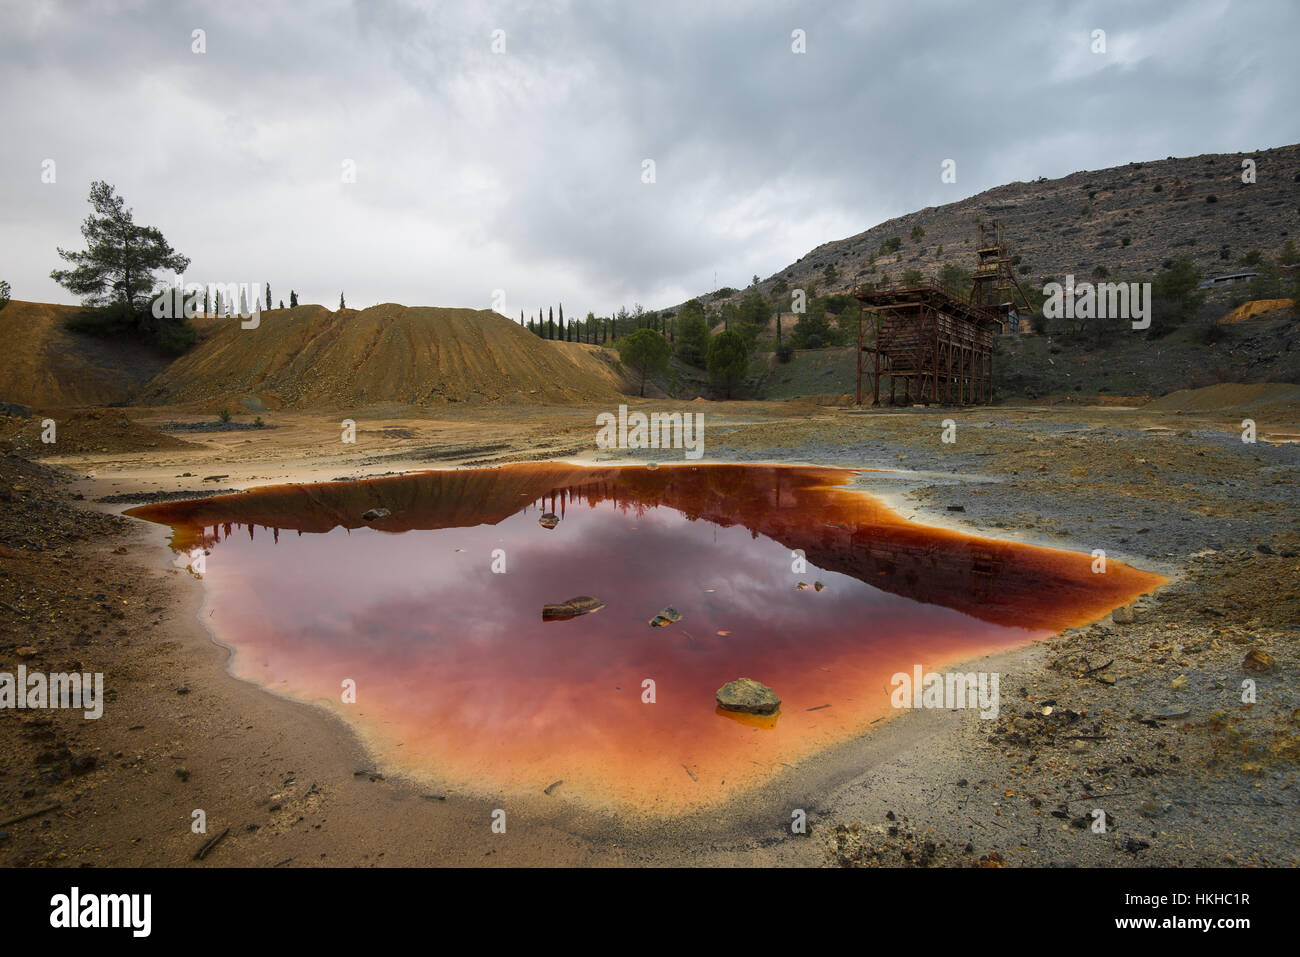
[[1129, 219], [45, 365]]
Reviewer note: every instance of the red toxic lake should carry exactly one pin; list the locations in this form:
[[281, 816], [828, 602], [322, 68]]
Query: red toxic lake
[[435, 612]]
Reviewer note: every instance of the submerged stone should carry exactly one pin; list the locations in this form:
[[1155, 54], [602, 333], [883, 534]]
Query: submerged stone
[[582, 605], [549, 520], [375, 513], [748, 696]]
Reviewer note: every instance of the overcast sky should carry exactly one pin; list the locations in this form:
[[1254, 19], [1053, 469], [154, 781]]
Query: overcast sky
[[523, 170]]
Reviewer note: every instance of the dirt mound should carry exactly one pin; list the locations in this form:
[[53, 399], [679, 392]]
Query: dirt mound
[[45, 364], [593, 360], [84, 431], [1275, 397], [1258, 307], [310, 357]]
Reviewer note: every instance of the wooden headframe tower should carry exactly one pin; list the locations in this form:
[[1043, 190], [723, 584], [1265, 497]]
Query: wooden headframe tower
[[994, 283]]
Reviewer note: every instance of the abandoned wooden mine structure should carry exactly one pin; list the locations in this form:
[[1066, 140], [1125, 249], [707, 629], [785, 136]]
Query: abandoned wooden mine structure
[[934, 341]]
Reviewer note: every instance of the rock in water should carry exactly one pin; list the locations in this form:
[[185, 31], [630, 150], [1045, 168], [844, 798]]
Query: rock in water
[[549, 520], [582, 605], [749, 696], [375, 513], [665, 617]]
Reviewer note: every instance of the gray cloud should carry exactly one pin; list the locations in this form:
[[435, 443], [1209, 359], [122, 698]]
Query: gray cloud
[[521, 171]]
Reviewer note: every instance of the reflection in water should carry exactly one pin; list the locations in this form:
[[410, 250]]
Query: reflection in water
[[458, 678]]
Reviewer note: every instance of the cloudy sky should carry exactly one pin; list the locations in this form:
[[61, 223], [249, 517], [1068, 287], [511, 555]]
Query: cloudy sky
[[523, 170]]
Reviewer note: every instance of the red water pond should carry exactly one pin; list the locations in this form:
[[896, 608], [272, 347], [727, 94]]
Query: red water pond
[[434, 612]]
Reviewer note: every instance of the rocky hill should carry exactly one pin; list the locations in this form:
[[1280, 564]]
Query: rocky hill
[[1129, 219]]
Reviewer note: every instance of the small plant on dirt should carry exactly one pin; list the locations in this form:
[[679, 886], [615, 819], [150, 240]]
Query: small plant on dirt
[[1210, 332], [224, 415], [259, 423]]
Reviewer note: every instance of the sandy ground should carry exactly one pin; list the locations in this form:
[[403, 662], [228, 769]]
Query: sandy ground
[[1143, 720]]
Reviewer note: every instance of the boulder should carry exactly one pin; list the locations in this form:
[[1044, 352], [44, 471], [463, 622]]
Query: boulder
[[748, 696], [375, 513]]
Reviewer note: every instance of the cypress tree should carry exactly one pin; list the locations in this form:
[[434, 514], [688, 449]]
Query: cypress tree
[[268, 295], [341, 303], [293, 299]]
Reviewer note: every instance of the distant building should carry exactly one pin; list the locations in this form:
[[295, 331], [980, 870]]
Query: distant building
[[1229, 279]]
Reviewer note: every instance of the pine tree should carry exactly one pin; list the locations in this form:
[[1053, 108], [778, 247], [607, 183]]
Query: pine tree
[[120, 258]]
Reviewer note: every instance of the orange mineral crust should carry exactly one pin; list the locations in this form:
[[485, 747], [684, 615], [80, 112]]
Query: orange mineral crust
[[435, 613]]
